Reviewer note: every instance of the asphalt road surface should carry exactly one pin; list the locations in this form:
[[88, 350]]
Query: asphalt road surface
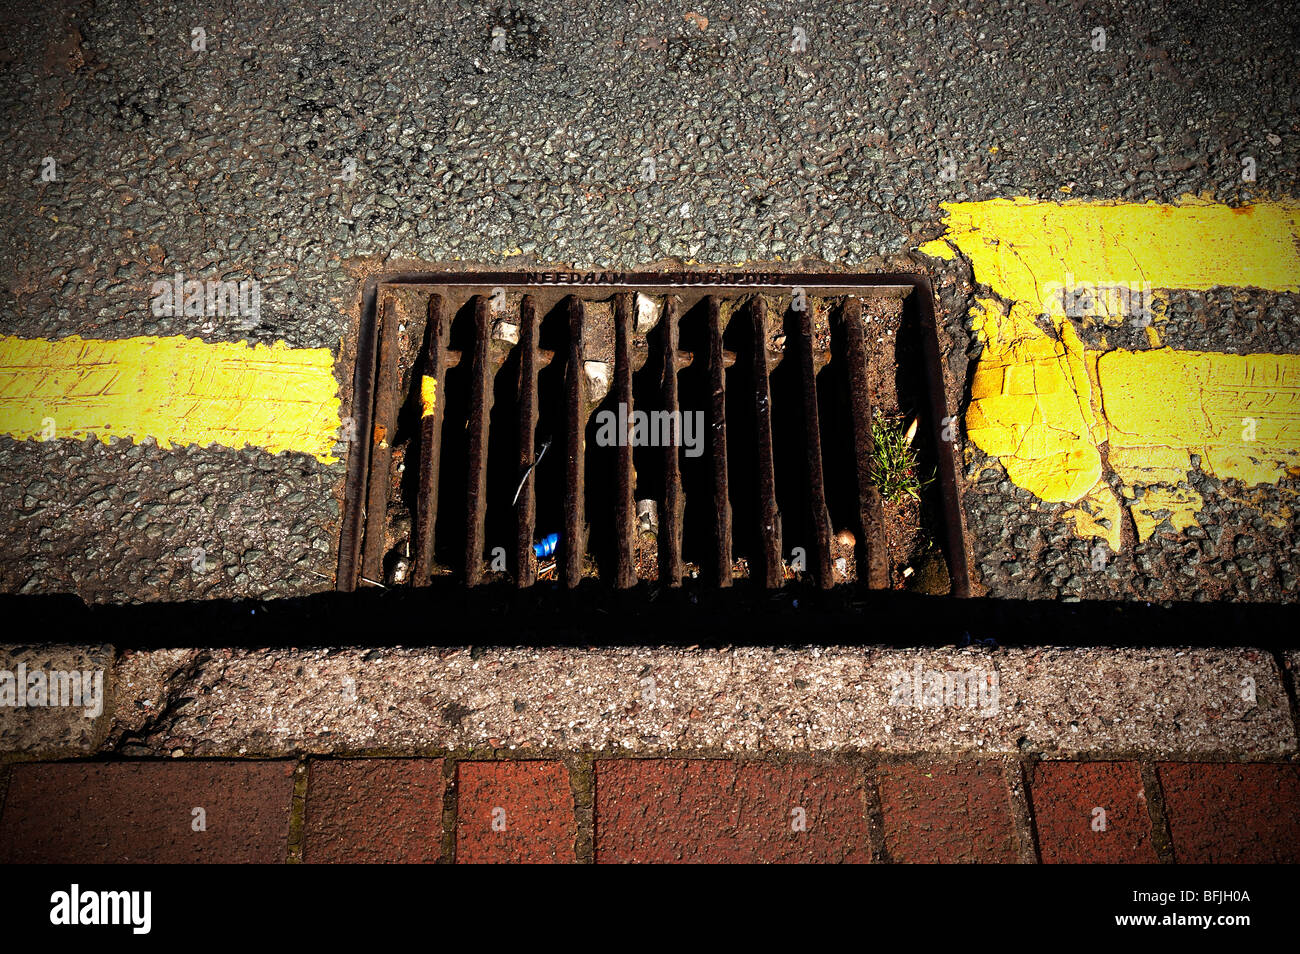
[[310, 145]]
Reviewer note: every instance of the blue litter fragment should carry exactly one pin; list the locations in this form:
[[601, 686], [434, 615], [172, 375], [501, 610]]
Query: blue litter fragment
[[546, 546]]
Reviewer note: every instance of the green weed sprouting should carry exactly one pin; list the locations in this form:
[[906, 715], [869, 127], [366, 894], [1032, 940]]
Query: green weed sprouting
[[894, 468]]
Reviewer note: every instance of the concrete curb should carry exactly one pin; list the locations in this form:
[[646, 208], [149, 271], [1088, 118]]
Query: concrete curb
[[1044, 702]]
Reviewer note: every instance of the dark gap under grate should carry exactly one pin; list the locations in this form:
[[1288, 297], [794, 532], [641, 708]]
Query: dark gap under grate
[[744, 410]]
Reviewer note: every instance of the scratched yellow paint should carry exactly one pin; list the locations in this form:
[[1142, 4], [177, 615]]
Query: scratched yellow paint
[[177, 390], [1240, 413], [1046, 405]]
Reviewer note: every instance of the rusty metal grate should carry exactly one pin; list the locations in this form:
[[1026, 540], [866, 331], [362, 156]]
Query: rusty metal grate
[[490, 400]]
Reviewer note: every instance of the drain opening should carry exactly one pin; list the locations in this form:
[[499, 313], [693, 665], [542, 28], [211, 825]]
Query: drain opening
[[662, 430]]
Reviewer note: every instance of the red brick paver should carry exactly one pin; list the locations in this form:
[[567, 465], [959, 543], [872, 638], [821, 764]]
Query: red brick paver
[[1092, 812], [713, 811], [109, 812], [374, 811], [948, 812], [1232, 813], [514, 812]]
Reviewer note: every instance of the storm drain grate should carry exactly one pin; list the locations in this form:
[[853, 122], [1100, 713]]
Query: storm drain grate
[[627, 428]]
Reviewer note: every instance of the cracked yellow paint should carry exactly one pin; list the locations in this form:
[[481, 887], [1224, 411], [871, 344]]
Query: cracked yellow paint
[[1045, 405], [177, 390], [1097, 505], [1030, 406], [1179, 504]]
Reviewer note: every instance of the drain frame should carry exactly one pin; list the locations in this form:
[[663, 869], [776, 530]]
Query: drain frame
[[375, 401]]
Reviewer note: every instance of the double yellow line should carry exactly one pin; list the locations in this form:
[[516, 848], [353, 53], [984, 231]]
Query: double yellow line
[[1054, 411], [1046, 405]]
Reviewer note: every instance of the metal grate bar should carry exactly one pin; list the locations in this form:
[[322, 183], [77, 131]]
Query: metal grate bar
[[772, 573], [870, 550], [573, 544], [381, 451], [433, 381], [821, 517], [625, 474], [718, 445], [526, 505], [480, 405], [671, 569]]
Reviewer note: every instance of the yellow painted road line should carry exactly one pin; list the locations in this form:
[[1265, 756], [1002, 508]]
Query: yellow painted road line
[[1240, 413], [176, 390], [1020, 244], [1045, 405]]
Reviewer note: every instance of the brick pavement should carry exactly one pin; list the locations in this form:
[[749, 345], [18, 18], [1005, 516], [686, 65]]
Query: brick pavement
[[833, 809]]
